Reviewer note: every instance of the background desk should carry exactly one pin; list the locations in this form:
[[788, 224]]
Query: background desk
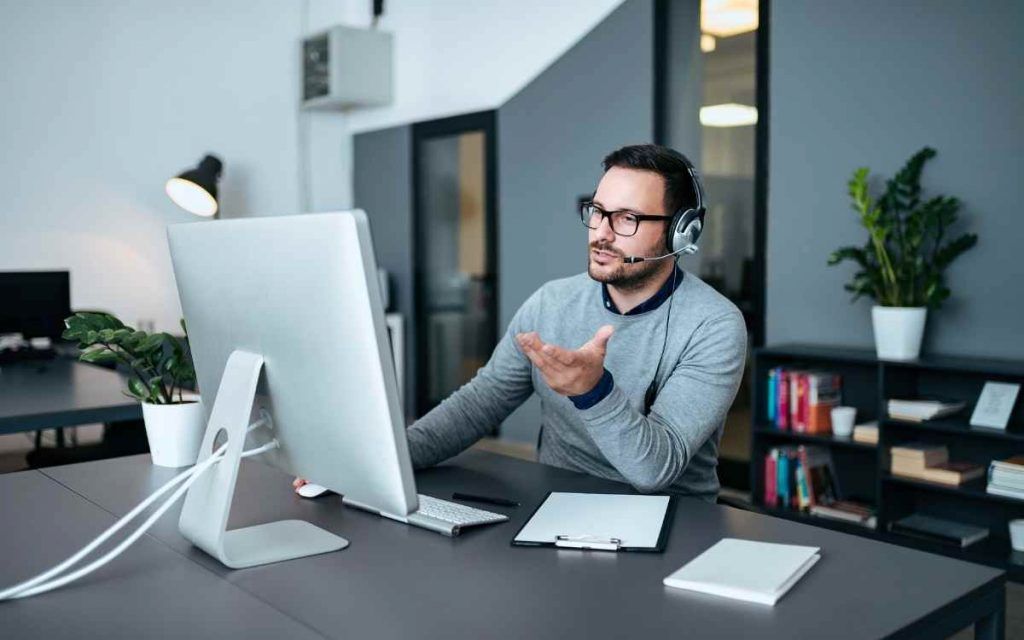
[[46, 394], [396, 581]]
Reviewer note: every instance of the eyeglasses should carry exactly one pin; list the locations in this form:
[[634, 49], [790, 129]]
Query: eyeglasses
[[623, 222]]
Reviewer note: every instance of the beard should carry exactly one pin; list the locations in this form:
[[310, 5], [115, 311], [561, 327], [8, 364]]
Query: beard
[[619, 274]]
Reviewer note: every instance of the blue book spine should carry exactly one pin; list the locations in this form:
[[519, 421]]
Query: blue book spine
[[773, 391], [782, 477]]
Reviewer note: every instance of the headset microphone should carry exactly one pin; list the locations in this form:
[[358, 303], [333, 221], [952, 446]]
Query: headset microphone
[[636, 259]]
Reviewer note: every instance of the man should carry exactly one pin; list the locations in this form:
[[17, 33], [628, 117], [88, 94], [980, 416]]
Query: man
[[591, 345]]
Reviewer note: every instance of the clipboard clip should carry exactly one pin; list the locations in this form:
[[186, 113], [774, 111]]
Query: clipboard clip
[[588, 542]]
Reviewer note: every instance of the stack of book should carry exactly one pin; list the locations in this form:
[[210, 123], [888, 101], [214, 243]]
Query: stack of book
[[1006, 477], [847, 511], [799, 478], [930, 462], [921, 410], [802, 401], [866, 433], [939, 530]]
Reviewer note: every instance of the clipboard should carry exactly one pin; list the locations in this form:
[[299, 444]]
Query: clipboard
[[600, 522]]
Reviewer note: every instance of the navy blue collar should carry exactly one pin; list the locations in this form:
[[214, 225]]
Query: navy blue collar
[[652, 303]]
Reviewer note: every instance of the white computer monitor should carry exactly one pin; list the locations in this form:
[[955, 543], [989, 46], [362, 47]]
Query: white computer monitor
[[284, 316]]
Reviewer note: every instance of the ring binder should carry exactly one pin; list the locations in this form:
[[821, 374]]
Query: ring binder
[[588, 542]]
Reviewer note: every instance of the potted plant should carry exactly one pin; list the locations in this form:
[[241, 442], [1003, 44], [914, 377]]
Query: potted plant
[[902, 264], [159, 370]]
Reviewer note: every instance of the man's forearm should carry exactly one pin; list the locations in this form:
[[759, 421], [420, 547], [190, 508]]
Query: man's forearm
[[473, 411], [645, 450]]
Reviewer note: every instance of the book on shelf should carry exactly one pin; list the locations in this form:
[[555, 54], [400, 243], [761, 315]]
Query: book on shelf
[[1006, 477], [922, 452], [802, 400], [1006, 492], [1014, 464], [846, 511], [947, 473], [798, 477], [939, 530], [928, 462], [921, 410], [866, 433]]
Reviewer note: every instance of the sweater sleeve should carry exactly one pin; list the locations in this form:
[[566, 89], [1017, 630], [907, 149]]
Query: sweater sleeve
[[481, 404], [652, 451]]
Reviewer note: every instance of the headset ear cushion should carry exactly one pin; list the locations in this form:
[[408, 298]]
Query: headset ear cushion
[[685, 229]]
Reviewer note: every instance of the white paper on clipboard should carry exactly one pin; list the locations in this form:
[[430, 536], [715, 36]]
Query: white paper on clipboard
[[634, 520]]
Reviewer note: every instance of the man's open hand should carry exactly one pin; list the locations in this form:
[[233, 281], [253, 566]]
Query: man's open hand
[[568, 372]]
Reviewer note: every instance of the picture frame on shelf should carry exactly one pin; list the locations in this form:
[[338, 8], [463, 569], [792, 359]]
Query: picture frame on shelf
[[995, 404]]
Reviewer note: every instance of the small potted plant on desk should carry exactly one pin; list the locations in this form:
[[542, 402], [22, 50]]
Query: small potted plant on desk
[[903, 262], [159, 371]]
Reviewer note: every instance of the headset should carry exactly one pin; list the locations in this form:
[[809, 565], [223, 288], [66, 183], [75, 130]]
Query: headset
[[681, 238], [684, 231]]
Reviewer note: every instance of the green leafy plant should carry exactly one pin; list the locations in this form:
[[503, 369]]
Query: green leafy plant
[[158, 363], [907, 252]]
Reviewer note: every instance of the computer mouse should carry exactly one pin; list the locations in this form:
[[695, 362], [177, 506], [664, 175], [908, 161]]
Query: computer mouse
[[310, 490]]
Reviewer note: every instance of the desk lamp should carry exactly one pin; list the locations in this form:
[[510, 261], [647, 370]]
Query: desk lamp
[[195, 190]]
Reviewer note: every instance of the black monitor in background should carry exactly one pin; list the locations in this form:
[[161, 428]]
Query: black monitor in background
[[34, 303]]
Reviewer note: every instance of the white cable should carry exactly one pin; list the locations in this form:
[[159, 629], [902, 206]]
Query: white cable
[[120, 523], [29, 587], [145, 526], [7, 593], [116, 551]]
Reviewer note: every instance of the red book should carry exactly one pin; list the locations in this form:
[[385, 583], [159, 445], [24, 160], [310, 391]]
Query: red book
[[803, 397], [771, 479]]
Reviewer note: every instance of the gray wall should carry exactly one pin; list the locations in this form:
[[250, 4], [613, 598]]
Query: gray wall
[[869, 83], [684, 80], [382, 185], [552, 136]]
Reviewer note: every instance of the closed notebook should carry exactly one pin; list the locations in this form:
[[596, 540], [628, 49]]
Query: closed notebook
[[760, 572]]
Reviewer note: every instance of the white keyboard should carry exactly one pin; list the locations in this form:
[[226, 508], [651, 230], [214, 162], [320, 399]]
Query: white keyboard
[[455, 513], [438, 515]]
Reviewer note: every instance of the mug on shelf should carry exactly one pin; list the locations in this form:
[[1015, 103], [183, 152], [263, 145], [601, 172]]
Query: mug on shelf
[[842, 420]]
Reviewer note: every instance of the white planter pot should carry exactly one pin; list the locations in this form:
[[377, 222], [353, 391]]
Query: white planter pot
[[898, 331], [175, 432]]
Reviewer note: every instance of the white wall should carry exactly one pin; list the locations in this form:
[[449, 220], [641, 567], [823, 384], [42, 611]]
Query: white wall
[[450, 57], [101, 102]]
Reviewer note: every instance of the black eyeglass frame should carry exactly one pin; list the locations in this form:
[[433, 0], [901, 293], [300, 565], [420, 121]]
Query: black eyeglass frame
[[588, 209]]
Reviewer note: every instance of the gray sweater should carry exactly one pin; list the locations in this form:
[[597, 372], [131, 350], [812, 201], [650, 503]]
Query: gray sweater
[[673, 448]]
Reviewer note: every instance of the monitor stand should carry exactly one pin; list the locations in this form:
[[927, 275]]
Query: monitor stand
[[204, 517]]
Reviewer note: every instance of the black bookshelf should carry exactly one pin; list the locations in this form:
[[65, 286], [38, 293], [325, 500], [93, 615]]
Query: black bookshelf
[[863, 469]]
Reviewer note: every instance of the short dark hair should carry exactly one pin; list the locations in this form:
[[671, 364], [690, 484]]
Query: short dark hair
[[671, 165]]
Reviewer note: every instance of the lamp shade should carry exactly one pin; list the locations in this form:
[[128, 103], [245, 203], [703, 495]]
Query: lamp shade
[[195, 190]]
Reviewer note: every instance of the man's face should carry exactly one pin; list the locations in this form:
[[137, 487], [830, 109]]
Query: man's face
[[641, 192]]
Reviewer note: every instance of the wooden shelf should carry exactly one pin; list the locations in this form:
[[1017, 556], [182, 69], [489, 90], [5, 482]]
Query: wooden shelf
[[813, 438]]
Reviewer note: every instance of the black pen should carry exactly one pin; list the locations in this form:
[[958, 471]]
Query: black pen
[[501, 502]]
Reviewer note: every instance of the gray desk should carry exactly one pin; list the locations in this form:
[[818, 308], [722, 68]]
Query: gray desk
[[149, 592], [396, 581], [61, 393]]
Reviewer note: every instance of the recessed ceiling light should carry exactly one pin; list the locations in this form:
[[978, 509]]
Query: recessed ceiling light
[[725, 18], [728, 115]]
